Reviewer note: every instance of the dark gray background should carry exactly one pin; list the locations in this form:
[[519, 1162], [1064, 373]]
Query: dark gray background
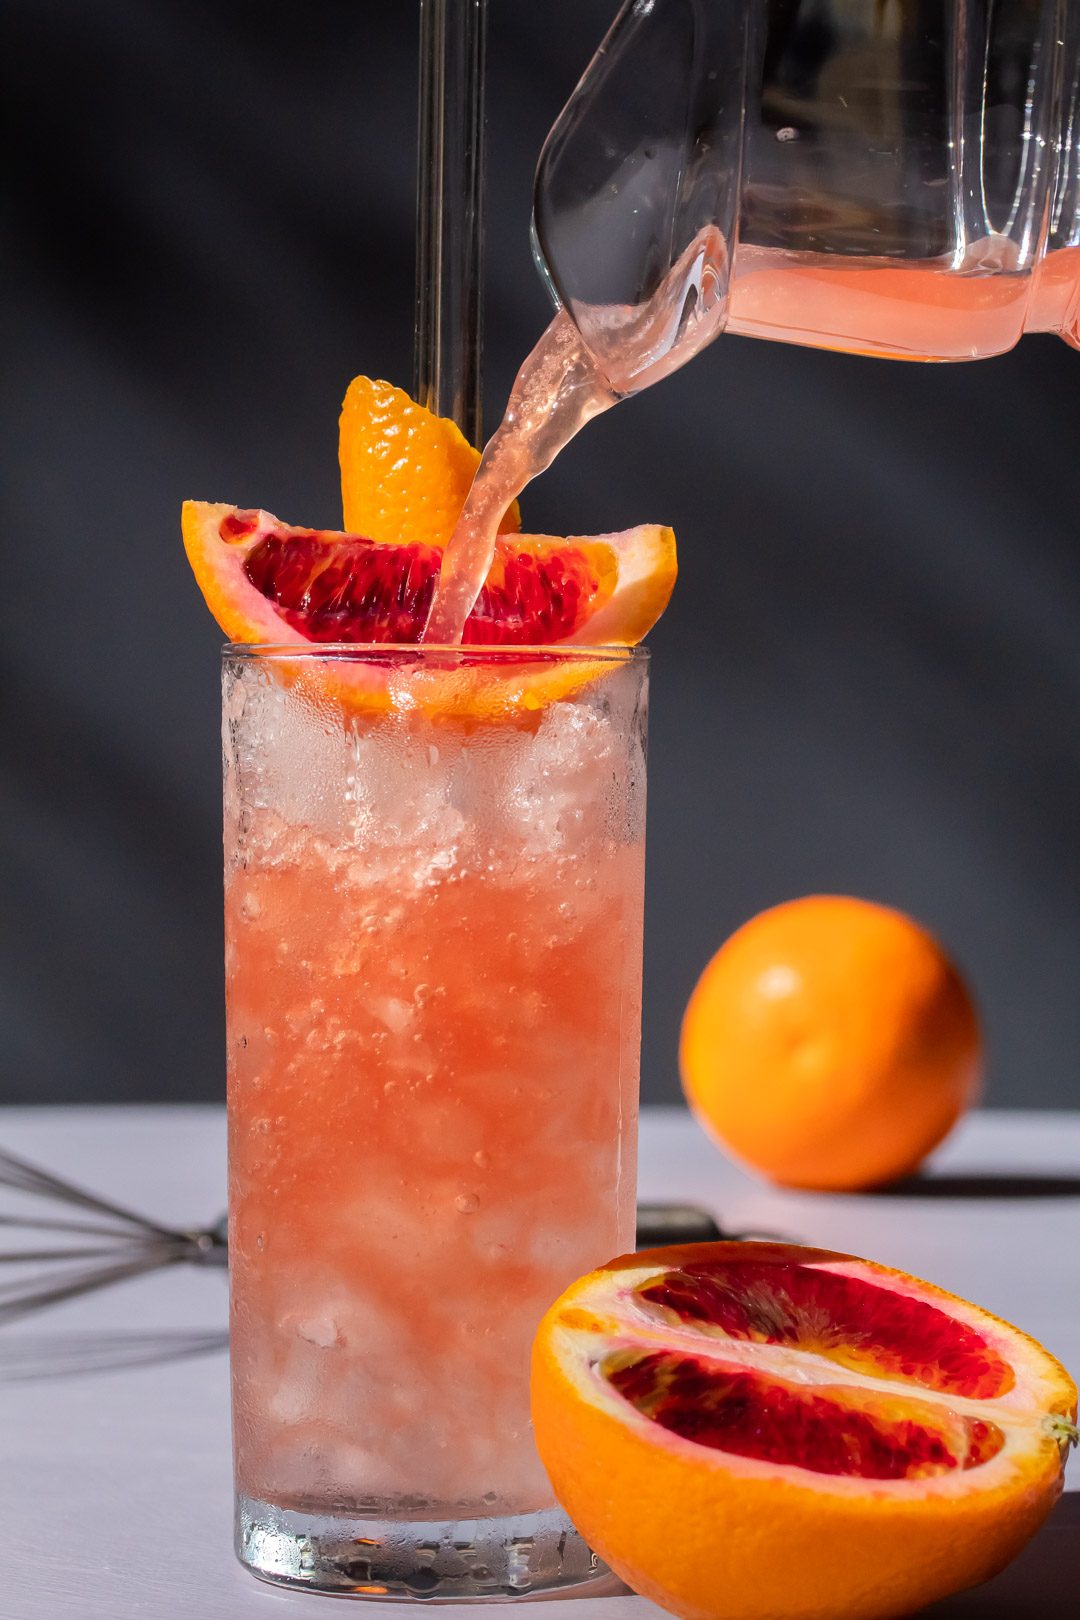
[[868, 681]]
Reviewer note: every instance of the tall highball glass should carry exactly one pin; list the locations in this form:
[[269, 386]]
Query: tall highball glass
[[434, 869]]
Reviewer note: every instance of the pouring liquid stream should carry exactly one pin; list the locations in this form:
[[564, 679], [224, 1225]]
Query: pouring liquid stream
[[561, 386], [558, 389]]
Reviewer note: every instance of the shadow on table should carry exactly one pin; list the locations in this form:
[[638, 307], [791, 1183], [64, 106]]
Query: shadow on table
[[1041, 1584], [981, 1184], [25, 1358]]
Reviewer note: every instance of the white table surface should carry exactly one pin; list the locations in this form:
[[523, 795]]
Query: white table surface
[[115, 1487]]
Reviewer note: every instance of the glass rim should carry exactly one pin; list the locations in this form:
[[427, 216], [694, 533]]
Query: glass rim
[[379, 651]]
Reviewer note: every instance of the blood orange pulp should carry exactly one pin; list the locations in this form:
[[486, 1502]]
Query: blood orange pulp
[[266, 581], [750, 1430]]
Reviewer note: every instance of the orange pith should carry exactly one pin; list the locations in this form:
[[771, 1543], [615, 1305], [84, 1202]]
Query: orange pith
[[745, 1431], [405, 472], [830, 1043]]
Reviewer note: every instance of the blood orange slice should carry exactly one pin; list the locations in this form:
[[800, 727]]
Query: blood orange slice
[[266, 581], [748, 1430]]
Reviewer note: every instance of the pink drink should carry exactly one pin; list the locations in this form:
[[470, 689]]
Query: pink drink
[[433, 934], [903, 311]]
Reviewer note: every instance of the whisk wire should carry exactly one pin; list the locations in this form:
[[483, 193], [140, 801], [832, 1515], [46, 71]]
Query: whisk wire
[[42, 1223], [22, 1176], [19, 1299], [134, 1244]]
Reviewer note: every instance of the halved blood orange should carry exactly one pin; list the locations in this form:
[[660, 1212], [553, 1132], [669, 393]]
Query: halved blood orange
[[748, 1430], [266, 581]]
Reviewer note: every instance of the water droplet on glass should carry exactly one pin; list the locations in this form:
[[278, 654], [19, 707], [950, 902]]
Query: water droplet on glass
[[466, 1203]]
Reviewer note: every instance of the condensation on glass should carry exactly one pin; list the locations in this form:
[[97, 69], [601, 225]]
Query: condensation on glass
[[434, 870]]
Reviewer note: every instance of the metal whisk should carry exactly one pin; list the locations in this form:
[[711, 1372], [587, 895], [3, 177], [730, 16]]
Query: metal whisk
[[97, 1243]]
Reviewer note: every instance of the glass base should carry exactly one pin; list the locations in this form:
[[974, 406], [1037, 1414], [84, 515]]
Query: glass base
[[436, 1559]]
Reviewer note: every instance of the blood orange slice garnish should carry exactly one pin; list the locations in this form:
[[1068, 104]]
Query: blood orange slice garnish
[[746, 1430], [266, 581], [405, 474]]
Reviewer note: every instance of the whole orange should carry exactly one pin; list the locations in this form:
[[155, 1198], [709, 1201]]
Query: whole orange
[[830, 1044]]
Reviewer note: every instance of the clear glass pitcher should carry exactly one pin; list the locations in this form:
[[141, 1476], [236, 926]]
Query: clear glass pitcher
[[887, 177]]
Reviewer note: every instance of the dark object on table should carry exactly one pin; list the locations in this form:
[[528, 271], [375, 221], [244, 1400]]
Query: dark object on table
[[661, 1224]]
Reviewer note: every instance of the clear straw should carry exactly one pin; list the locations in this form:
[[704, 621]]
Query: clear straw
[[450, 211]]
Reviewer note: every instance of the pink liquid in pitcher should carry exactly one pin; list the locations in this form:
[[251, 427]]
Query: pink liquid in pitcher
[[917, 311]]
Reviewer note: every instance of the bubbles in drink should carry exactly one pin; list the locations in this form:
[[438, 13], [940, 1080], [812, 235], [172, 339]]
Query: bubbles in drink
[[446, 1061]]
